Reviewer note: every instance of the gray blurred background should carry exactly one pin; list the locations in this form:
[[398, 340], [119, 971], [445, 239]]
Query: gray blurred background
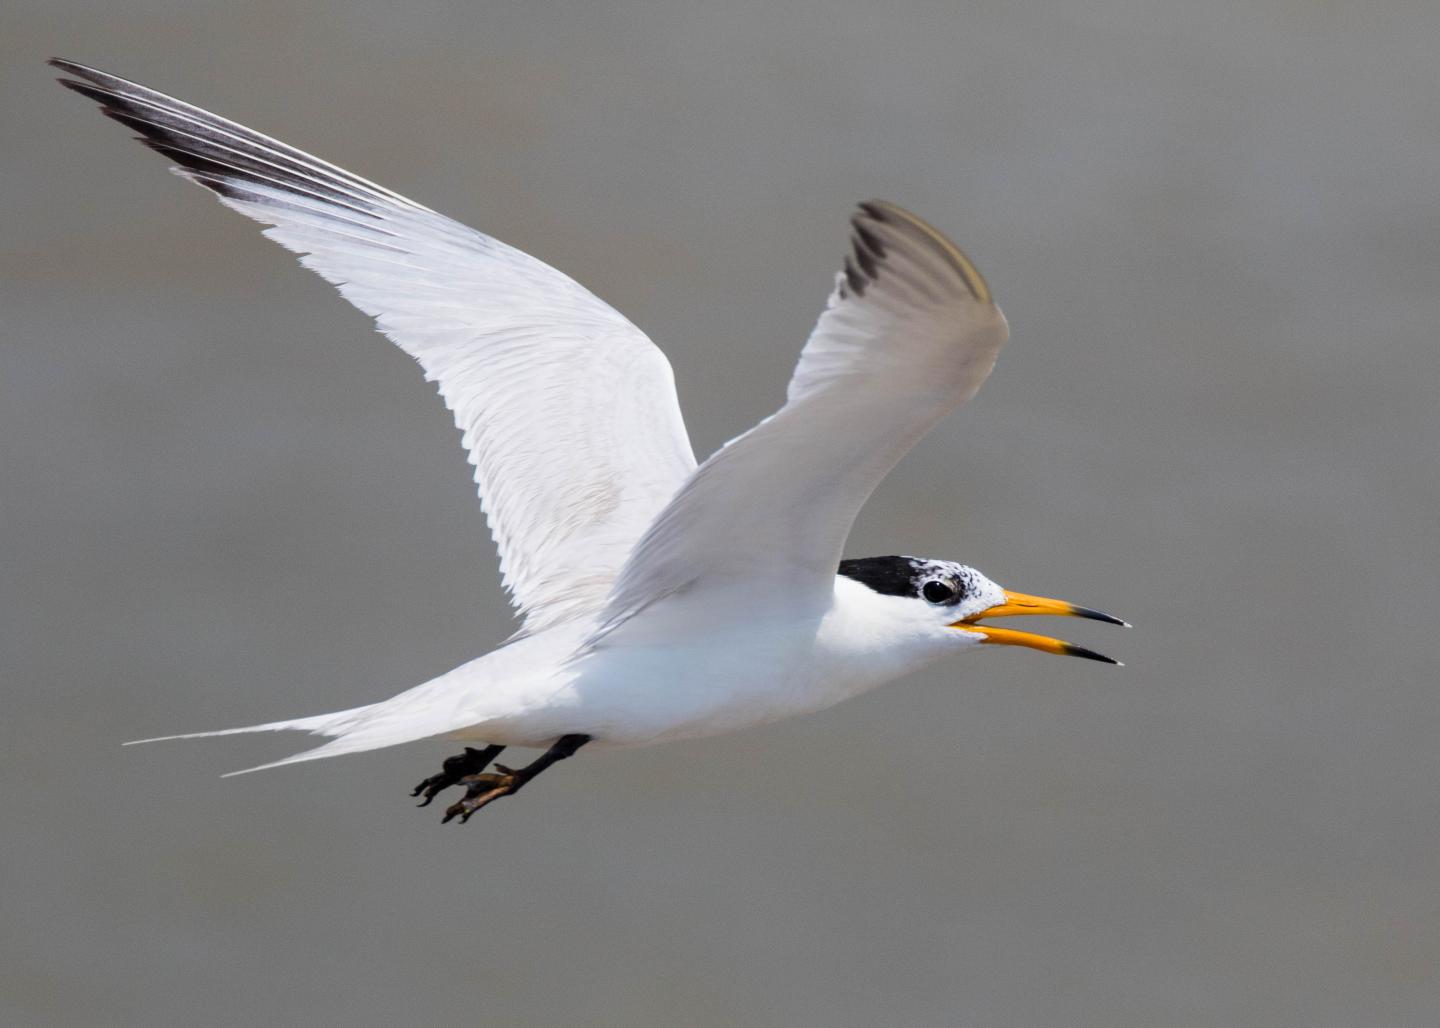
[[1216, 231]]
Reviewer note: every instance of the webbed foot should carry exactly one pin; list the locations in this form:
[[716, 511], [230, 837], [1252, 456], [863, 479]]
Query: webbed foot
[[483, 789], [455, 768]]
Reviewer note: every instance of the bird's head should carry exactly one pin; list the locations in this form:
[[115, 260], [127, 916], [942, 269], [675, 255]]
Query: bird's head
[[947, 602]]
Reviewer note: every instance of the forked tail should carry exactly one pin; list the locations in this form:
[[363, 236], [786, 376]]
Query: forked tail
[[334, 725]]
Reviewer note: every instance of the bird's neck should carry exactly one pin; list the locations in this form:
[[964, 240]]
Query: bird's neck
[[868, 639]]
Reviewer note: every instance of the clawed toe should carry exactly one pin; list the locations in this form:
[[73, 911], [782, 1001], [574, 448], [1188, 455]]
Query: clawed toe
[[481, 791], [485, 787], [454, 770], [432, 787]]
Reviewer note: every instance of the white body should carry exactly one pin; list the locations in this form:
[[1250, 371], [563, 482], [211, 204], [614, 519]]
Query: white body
[[667, 674], [661, 600]]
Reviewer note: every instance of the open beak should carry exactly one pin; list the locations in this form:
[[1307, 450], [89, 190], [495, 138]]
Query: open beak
[[1018, 603]]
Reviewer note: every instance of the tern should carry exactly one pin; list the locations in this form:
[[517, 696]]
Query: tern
[[660, 600]]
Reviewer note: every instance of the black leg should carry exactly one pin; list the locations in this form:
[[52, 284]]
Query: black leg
[[484, 789], [471, 762]]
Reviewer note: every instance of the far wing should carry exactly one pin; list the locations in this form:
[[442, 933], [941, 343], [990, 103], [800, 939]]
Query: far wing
[[909, 334], [568, 411]]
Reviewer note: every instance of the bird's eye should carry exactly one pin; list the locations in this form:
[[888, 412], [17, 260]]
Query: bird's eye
[[938, 592]]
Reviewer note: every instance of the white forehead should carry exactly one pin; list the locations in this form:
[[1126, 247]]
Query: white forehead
[[978, 592]]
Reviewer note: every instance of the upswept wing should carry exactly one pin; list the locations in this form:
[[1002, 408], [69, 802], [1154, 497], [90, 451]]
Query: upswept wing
[[910, 333], [568, 411]]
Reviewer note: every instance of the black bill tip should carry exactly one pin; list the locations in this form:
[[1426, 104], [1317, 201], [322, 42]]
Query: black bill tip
[[1071, 650], [1098, 615]]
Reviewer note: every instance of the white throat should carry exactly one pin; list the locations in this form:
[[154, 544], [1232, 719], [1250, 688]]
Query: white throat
[[868, 639]]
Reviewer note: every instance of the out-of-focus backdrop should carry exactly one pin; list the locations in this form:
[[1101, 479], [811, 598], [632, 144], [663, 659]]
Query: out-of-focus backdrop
[[1216, 231]]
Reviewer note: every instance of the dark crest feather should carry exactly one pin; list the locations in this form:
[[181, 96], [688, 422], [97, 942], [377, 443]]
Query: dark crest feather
[[889, 576]]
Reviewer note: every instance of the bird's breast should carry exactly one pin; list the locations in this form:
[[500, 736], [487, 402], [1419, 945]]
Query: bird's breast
[[679, 675]]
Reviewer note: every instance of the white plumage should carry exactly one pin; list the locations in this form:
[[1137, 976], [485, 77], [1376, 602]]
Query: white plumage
[[660, 600]]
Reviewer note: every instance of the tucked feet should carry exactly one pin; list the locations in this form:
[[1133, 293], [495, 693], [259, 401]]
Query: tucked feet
[[483, 789], [455, 768]]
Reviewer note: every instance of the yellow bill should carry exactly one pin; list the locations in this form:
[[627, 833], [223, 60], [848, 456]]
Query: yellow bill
[[1017, 604]]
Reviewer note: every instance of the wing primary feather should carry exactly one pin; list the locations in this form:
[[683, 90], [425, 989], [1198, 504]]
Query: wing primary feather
[[869, 240], [853, 277], [891, 214], [162, 131], [126, 91], [867, 260]]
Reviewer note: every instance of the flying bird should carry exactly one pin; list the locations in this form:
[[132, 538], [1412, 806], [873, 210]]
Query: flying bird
[[660, 599]]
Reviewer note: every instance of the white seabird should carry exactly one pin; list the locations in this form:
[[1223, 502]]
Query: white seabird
[[660, 600]]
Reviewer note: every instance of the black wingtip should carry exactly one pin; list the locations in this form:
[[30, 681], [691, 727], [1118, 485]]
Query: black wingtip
[[99, 94], [75, 68], [875, 209], [854, 277]]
